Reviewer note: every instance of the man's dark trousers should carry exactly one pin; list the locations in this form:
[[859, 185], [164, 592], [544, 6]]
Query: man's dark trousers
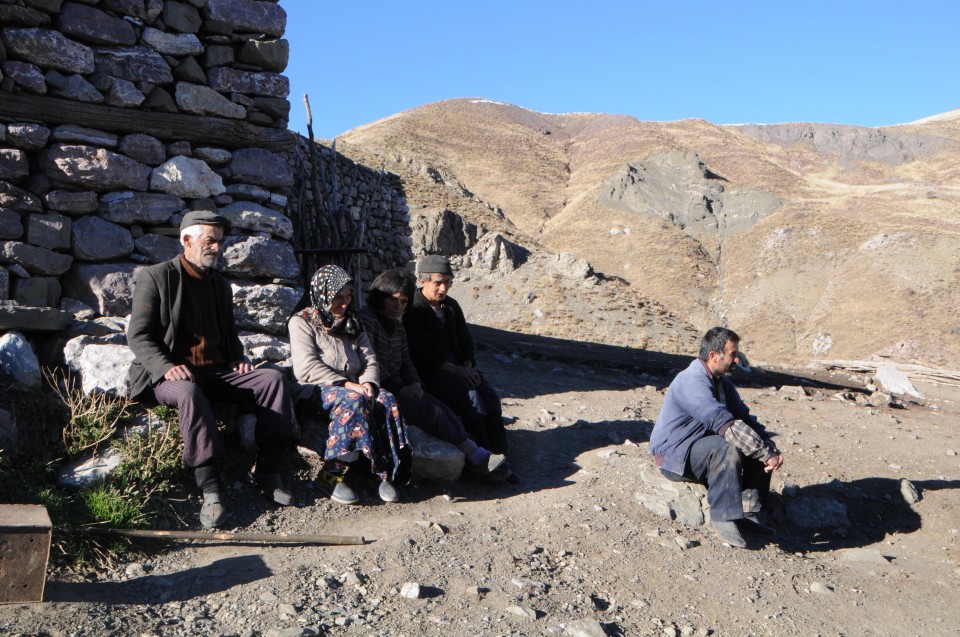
[[730, 478], [202, 440]]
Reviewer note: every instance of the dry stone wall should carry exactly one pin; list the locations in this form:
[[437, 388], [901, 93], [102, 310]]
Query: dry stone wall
[[119, 116]]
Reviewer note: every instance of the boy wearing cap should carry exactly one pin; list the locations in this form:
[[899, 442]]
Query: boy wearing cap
[[442, 351], [188, 354]]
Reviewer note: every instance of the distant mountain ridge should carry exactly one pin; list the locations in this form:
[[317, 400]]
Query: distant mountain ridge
[[813, 240]]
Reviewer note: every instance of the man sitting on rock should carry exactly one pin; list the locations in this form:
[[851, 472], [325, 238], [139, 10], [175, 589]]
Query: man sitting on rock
[[706, 434], [188, 354], [442, 351]]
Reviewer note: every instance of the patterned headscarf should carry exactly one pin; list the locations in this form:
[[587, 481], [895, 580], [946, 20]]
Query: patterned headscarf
[[326, 283]]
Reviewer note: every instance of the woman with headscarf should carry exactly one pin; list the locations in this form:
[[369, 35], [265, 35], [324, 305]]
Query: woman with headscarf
[[330, 351], [390, 293]]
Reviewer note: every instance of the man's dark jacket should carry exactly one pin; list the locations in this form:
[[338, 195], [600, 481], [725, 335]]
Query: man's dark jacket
[[152, 330], [434, 342]]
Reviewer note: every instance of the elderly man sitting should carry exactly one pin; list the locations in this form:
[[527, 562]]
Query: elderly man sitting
[[188, 355], [442, 351]]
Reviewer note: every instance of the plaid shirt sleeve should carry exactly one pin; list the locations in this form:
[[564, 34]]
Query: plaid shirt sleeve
[[746, 439]]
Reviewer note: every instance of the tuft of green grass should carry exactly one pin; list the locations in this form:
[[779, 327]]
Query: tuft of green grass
[[108, 503]]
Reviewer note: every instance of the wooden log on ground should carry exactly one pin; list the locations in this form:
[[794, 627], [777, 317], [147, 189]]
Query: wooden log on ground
[[253, 538]]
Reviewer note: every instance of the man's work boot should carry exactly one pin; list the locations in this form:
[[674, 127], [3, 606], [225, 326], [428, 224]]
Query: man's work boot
[[729, 532], [753, 524], [272, 486], [212, 513]]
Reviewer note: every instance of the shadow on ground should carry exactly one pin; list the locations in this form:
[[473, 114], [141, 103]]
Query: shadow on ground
[[843, 515], [201, 581], [578, 358], [544, 459]]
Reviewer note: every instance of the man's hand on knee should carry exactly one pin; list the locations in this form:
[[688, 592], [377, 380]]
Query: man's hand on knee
[[773, 463], [243, 367], [178, 372]]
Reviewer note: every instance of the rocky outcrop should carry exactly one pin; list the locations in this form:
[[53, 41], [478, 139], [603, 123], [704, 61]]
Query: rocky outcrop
[[443, 232], [678, 188], [849, 143]]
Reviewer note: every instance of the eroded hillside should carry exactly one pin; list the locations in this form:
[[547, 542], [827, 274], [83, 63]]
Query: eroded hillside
[[814, 241]]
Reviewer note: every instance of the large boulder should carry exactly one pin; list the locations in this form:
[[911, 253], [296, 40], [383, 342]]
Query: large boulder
[[71, 202], [50, 231], [106, 287], [817, 513], [258, 166], [269, 55], [13, 164], [248, 16], [157, 248], [94, 26], [259, 256], [11, 224], [134, 64], [203, 100], [186, 177], [229, 80], [27, 76], [50, 49], [172, 43], [685, 502], [18, 199], [256, 218], [14, 316], [93, 168], [443, 232], [494, 253], [264, 307], [70, 134], [260, 347], [96, 239], [148, 208], [37, 291], [34, 259], [17, 359], [144, 148], [433, 458], [101, 363]]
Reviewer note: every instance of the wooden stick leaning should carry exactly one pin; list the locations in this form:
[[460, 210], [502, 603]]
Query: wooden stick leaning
[[259, 538]]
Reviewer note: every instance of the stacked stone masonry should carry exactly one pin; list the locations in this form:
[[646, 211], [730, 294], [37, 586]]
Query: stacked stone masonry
[[191, 111]]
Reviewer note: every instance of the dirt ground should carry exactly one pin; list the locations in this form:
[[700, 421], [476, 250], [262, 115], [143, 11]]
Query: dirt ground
[[569, 550]]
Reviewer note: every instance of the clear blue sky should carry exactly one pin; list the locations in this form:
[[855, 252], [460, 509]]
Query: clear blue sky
[[847, 62]]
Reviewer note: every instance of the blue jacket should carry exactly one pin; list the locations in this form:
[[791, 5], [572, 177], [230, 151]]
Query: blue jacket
[[695, 406]]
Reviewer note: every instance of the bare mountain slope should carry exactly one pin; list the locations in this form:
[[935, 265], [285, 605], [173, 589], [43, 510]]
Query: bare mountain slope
[[813, 240]]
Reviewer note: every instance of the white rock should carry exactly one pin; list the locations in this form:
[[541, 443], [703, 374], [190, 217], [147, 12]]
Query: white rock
[[102, 362], [820, 588], [894, 381], [18, 360], [410, 590], [86, 473], [186, 177]]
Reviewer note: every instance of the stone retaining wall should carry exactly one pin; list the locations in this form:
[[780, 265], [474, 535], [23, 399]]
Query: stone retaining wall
[[119, 116]]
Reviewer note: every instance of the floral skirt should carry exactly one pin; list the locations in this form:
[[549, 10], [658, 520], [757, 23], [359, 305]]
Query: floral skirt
[[377, 431]]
